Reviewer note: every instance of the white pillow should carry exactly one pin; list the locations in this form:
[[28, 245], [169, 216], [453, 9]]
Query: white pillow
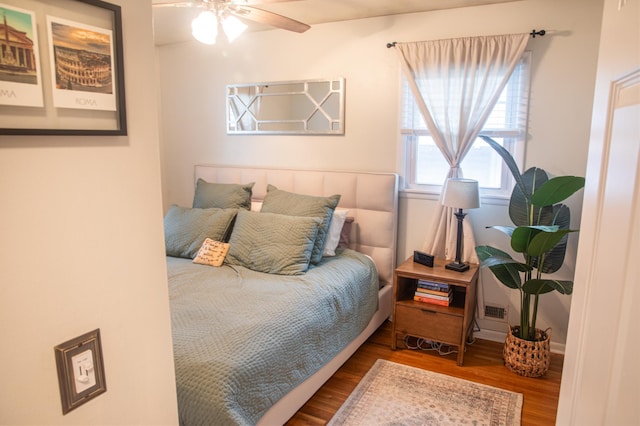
[[337, 221], [256, 206]]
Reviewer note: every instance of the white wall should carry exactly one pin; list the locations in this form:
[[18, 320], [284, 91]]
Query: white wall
[[82, 248], [193, 78]]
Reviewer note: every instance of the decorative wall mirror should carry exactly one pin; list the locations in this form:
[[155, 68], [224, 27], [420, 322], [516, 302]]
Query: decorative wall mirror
[[313, 107]]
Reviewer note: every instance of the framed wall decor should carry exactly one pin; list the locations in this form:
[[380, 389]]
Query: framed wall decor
[[303, 107], [61, 68]]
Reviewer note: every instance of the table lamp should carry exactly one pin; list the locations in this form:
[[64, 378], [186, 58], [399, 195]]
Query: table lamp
[[460, 194]]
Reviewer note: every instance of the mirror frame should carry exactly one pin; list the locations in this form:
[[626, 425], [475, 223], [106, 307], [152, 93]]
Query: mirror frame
[[336, 124]]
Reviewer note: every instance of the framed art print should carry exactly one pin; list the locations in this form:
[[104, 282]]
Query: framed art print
[[67, 78], [20, 72], [82, 66]]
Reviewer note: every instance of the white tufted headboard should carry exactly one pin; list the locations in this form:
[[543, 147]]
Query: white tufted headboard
[[372, 200]]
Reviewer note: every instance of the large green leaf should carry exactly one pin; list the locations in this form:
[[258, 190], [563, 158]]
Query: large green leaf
[[554, 259], [556, 189], [502, 265], [561, 216], [541, 286], [507, 275], [520, 210], [504, 229], [498, 260], [522, 236], [485, 252], [508, 160], [545, 241], [542, 215]]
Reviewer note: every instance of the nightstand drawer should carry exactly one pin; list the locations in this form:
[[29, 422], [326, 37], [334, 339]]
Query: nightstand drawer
[[428, 323]]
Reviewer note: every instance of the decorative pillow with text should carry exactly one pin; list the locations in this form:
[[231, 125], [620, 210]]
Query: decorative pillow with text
[[212, 253]]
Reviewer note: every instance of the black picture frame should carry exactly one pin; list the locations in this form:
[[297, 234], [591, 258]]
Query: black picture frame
[[72, 356], [86, 118]]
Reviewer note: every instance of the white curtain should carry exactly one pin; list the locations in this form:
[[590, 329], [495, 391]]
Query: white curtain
[[456, 83]]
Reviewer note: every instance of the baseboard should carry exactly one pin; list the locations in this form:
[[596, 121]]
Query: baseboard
[[497, 336]]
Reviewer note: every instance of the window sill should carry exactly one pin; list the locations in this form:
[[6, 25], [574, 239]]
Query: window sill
[[433, 196]]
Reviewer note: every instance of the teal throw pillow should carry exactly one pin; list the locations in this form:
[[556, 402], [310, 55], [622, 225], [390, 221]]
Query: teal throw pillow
[[222, 195], [289, 203], [186, 229], [272, 243]]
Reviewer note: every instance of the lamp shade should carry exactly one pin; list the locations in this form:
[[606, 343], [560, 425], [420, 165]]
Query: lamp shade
[[461, 194]]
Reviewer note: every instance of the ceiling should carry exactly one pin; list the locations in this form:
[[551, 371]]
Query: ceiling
[[173, 25]]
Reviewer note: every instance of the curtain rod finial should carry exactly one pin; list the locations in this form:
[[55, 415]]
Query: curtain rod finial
[[390, 45], [534, 33]]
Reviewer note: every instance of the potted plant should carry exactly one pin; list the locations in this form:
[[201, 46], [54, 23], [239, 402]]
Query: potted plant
[[540, 231]]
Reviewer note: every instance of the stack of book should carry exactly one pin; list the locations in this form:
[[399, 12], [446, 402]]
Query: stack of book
[[434, 293]]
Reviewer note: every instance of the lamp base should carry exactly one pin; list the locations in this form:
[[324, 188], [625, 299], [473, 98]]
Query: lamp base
[[458, 267]]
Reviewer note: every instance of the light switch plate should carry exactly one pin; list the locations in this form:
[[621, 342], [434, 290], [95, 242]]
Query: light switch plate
[[84, 374], [80, 370]]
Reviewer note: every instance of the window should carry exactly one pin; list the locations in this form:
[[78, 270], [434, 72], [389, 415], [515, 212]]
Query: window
[[425, 167]]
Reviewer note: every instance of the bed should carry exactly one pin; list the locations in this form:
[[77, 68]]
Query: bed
[[252, 345]]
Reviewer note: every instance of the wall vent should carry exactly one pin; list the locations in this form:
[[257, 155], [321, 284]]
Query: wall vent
[[495, 312]]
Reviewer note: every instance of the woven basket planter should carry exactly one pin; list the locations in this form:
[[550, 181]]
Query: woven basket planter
[[525, 357]]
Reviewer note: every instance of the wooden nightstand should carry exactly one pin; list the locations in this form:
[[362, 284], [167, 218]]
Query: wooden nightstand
[[446, 324]]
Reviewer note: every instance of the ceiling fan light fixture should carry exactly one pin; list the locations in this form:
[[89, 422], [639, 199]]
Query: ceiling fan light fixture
[[204, 27], [232, 27]]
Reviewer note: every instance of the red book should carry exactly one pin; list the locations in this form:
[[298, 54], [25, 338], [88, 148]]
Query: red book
[[447, 297]]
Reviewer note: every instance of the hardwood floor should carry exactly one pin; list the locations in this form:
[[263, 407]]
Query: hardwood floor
[[482, 364]]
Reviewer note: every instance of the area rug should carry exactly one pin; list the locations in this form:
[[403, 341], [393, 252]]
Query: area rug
[[395, 394]]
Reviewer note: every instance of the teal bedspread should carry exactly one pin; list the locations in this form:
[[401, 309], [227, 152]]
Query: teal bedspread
[[244, 339]]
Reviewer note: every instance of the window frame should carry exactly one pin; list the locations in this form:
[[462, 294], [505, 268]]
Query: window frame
[[514, 142]]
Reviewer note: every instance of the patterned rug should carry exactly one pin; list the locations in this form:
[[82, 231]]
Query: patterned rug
[[395, 394]]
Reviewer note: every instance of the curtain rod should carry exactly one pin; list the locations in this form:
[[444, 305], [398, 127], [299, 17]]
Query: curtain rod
[[533, 34]]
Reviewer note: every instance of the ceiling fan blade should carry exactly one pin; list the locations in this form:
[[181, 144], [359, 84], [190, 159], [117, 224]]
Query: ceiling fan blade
[[203, 3], [269, 18], [252, 2], [179, 4]]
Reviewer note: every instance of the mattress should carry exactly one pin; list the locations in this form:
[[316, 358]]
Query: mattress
[[243, 339]]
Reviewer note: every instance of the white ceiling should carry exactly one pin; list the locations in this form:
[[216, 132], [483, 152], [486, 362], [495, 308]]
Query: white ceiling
[[173, 25]]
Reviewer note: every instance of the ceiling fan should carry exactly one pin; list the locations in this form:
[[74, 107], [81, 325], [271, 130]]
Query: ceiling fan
[[225, 13]]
